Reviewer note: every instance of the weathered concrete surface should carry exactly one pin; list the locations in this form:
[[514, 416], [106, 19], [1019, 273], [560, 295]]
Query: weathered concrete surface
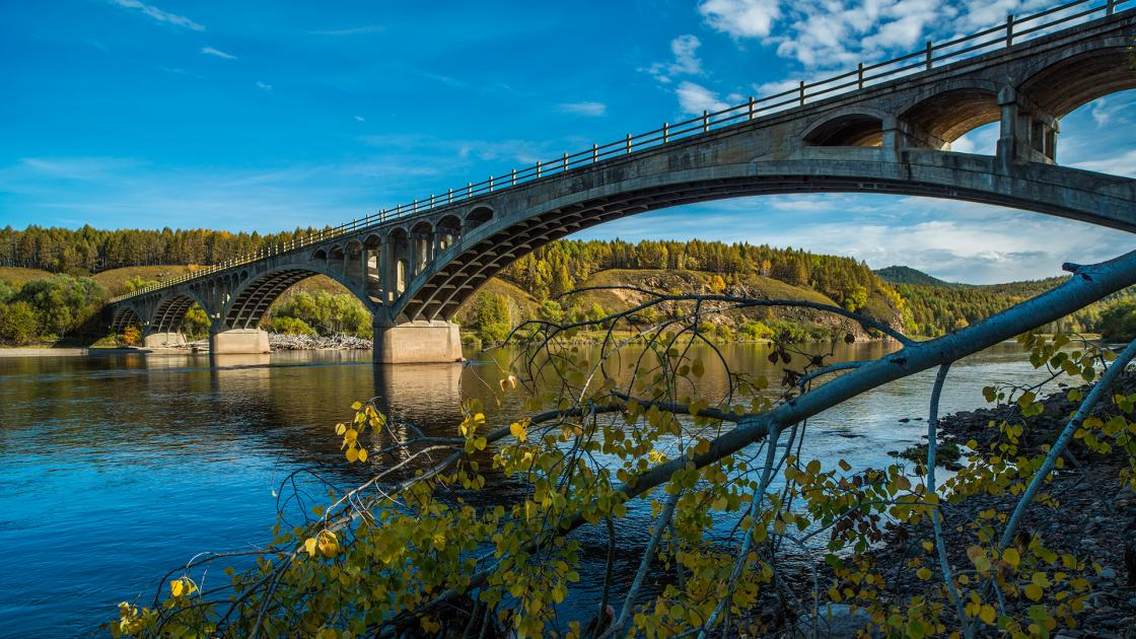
[[420, 342], [239, 341], [164, 340], [892, 137]]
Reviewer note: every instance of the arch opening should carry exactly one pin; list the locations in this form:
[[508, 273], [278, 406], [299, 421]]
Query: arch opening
[[848, 130], [1078, 80], [477, 217], [449, 231], [938, 121], [321, 305]]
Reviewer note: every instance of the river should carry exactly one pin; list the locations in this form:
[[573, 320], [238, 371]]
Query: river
[[115, 469]]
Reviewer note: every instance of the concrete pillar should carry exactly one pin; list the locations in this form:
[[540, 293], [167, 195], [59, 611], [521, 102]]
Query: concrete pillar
[[164, 340], [422, 342], [239, 340], [1008, 137]]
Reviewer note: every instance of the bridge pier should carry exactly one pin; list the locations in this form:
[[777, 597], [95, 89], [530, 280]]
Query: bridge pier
[[238, 340], [421, 342], [163, 339]]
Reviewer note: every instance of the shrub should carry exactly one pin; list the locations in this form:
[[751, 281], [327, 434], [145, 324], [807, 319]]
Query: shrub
[[289, 326], [18, 323], [62, 303]]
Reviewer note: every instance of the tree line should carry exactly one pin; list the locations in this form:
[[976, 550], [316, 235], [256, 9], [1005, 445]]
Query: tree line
[[90, 250]]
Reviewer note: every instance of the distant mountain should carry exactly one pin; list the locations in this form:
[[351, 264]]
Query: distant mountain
[[907, 275]]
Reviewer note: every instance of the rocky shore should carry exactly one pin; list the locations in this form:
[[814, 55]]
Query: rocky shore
[[1095, 518], [282, 342]]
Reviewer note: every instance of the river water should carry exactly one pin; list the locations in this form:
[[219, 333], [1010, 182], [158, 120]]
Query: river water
[[115, 469]]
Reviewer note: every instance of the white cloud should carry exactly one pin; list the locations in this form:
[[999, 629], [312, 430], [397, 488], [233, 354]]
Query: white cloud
[[360, 118], [590, 109], [218, 53], [684, 48], [1100, 114], [839, 33], [263, 85], [159, 15], [695, 98], [1123, 164], [741, 18]]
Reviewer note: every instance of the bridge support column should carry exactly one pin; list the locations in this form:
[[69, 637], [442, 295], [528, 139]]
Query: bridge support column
[[164, 339], [1027, 133], [239, 340], [421, 342]]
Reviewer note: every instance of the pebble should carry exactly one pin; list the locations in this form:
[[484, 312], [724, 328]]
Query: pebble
[[1107, 573]]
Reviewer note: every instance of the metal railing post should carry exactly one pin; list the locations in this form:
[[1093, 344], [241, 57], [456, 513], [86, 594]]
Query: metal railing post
[[1111, 7], [628, 144], [431, 200], [705, 121], [860, 76], [490, 183], [751, 105], [449, 196], [513, 178], [595, 153], [468, 190], [538, 168], [802, 93], [565, 160], [666, 133], [930, 54], [1010, 30]]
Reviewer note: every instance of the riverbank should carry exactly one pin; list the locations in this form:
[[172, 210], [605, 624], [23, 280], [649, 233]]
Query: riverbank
[[1094, 518]]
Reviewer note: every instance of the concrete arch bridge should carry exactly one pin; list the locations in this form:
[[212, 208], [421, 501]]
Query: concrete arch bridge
[[881, 128]]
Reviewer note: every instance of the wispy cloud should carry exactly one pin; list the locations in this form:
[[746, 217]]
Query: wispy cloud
[[349, 31], [264, 86], [360, 118], [695, 98], [81, 168], [684, 48], [590, 109], [741, 18], [159, 15], [218, 53]]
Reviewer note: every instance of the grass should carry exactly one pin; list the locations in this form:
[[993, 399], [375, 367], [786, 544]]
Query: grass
[[17, 276]]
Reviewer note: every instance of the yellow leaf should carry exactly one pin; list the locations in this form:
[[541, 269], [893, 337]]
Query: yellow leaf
[[340, 429], [310, 546], [923, 573], [1011, 556], [519, 431], [352, 454], [356, 405], [1033, 592], [177, 587], [328, 543], [362, 454], [987, 614]]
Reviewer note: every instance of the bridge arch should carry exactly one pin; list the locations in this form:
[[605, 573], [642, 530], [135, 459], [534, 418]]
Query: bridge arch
[[1064, 192], [476, 217], [125, 316], [253, 297], [1079, 77], [170, 311], [943, 117], [857, 126]]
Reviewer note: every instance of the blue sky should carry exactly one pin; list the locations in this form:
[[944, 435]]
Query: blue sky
[[269, 115]]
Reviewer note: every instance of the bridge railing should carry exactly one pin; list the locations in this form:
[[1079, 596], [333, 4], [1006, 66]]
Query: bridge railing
[[1014, 30]]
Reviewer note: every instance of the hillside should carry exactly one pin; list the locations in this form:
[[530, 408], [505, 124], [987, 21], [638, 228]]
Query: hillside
[[939, 307], [907, 275]]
